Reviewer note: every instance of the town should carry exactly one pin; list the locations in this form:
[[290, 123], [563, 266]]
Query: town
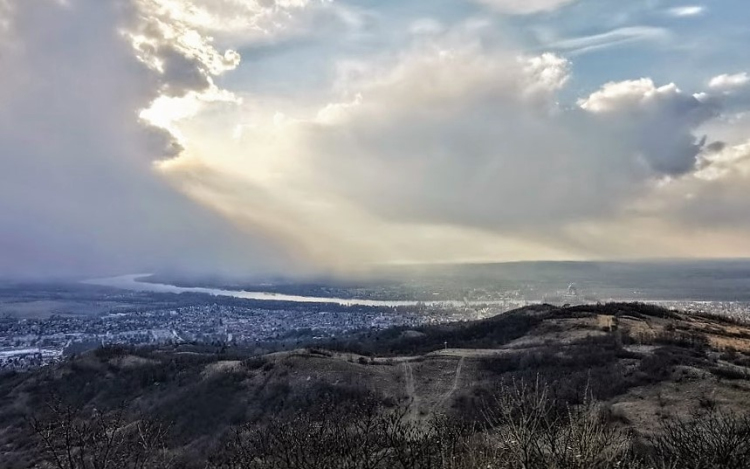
[[27, 343], [43, 323]]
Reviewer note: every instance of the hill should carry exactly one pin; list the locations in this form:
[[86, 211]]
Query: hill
[[626, 377]]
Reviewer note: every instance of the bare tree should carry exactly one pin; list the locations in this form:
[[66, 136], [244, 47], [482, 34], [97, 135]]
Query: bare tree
[[533, 430], [73, 439], [525, 428], [710, 440]]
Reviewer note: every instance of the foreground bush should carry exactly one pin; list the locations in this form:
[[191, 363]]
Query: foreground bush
[[71, 439], [522, 427], [710, 441]]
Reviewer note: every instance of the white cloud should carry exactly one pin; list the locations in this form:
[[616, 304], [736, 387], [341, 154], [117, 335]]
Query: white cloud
[[426, 26], [687, 10], [521, 7], [666, 120], [251, 18], [727, 83], [175, 39], [616, 96], [621, 36], [5, 17]]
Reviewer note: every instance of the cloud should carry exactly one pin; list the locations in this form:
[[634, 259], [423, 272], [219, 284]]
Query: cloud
[[5, 17], [728, 83], [524, 7], [141, 152], [617, 37], [716, 196], [419, 151], [175, 39], [78, 192], [426, 26], [687, 11], [666, 118]]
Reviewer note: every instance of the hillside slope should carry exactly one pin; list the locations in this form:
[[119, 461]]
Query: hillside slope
[[645, 365]]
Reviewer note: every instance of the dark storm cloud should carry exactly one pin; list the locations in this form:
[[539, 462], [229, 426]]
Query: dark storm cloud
[[77, 191]]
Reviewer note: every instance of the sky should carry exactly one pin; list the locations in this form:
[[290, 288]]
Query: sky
[[303, 136]]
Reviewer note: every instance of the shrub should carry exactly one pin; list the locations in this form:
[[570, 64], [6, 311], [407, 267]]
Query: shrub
[[715, 440]]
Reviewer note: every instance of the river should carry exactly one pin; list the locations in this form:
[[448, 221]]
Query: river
[[133, 283]]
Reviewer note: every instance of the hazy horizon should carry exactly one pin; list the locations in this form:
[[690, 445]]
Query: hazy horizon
[[364, 274]]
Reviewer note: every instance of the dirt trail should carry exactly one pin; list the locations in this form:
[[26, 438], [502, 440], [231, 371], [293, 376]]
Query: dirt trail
[[459, 367], [411, 393], [456, 380]]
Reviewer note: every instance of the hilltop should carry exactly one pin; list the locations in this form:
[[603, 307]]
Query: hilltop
[[644, 367]]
